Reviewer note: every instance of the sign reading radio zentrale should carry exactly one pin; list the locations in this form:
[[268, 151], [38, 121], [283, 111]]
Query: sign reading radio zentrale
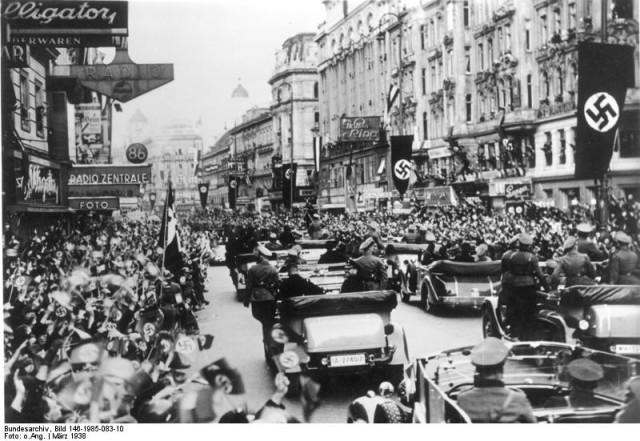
[[354, 129], [108, 180]]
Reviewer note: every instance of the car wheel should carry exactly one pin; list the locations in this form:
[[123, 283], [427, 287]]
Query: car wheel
[[387, 412], [488, 327]]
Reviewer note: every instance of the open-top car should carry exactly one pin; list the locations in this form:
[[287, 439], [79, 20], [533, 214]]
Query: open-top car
[[328, 276], [313, 249], [539, 369], [324, 335], [604, 317], [445, 283], [403, 260]]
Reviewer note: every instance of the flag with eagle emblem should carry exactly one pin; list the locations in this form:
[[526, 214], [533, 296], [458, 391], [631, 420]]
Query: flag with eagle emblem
[[169, 236]]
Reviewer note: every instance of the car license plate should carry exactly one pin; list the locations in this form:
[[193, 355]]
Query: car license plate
[[627, 349], [347, 360]]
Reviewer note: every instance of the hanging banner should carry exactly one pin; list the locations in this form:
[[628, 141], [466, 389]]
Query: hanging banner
[[604, 73], [203, 190], [401, 161], [288, 183], [233, 191]]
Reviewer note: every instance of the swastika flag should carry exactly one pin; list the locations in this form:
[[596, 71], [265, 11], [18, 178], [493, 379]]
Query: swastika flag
[[604, 73], [401, 161]]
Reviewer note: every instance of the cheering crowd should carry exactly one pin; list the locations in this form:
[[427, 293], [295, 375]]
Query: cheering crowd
[[97, 330]]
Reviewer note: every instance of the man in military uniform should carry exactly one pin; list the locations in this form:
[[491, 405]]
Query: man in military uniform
[[625, 265], [574, 266], [520, 270], [585, 246], [630, 412], [489, 401], [374, 234], [411, 236], [296, 285], [262, 280], [371, 269], [273, 244], [584, 374]]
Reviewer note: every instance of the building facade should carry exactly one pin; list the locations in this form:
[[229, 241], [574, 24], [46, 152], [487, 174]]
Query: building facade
[[295, 115], [215, 171]]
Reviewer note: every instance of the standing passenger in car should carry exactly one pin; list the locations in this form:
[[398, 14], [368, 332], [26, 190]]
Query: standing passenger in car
[[625, 264], [489, 401], [371, 269], [296, 285], [262, 280], [585, 246], [522, 269], [574, 266]]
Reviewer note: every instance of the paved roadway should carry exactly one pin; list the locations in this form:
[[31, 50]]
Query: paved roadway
[[238, 339]]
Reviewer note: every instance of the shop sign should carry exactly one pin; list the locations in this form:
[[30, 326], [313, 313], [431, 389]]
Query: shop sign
[[89, 145], [275, 195], [40, 186], [14, 55], [94, 203], [64, 23], [436, 196], [439, 152], [109, 175], [354, 129], [137, 153], [122, 80], [517, 191]]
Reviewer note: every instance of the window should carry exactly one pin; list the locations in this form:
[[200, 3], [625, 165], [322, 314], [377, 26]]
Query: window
[[467, 59], [481, 56], [315, 90], [490, 51], [424, 81], [545, 85], [465, 14], [622, 9], [423, 31], [548, 149], [24, 101], [450, 62], [507, 36], [529, 91], [572, 16], [560, 83], [511, 89], [433, 77], [527, 34], [425, 122], [39, 110], [557, 21], [544, 30], [502, 97], [629, 137], [468, 104]]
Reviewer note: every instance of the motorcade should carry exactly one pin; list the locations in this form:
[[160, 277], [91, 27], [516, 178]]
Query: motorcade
[[403, 261], [328, 276], [334, 334], [313, 249], [448, 284], [539, 369], [603, 317]]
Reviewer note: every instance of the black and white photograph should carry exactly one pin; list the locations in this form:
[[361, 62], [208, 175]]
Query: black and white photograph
[[326, 212]]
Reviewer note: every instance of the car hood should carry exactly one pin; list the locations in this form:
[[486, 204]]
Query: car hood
[[618, 321], [344, 332]]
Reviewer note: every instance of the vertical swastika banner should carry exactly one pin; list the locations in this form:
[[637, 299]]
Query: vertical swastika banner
[[401, 161], [604, 73]]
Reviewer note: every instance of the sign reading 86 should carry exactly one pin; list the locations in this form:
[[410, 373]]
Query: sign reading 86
[[137, 153]]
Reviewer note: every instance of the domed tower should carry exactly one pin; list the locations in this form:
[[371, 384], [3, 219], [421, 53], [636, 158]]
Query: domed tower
[[137, 127]]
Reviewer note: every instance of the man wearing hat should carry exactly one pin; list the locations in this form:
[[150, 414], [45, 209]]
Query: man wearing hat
[[520, 269], [574, 266], [371, 269], [624, 268], [262, 280], [489, 401], [411, 236], [584, 374], [315, 227], [296, 285], [374, 233], [273, 244], [586, 246]]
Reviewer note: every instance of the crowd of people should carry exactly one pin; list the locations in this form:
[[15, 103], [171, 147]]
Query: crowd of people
[[97, 330]]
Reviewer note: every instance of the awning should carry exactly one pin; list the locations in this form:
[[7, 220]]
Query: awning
[[18, 208]]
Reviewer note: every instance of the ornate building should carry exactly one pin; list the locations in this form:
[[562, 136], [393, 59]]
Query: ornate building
[[295, 113]]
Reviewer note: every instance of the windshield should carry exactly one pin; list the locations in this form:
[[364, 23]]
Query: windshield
[[536, 364]]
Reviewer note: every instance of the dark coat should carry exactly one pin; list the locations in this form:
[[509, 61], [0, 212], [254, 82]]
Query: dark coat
[[494, 403], [296, 285]]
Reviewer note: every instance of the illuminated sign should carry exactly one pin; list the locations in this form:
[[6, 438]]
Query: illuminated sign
[[94, 203], [40, 186], [359, 129], [107, 180]]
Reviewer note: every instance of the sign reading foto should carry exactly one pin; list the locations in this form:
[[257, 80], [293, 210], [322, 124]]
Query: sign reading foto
[[354, 129], [94, 203]]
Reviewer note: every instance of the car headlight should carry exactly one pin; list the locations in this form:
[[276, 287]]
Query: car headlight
[[583, 325]]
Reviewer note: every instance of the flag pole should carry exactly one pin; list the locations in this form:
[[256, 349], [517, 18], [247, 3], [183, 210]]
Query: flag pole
[[165, 229]]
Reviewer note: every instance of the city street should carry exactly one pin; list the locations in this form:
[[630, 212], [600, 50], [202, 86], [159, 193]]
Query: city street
[[238, 339]]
